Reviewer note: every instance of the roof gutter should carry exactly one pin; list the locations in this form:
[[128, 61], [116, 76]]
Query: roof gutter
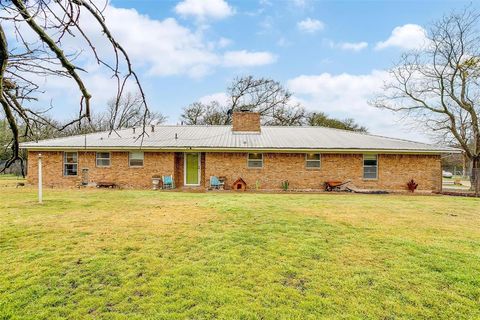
[[272, 150]]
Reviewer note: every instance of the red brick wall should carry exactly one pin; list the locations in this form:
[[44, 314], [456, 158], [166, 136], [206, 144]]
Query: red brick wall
[[246, 121], [394, 171], [119, 172], [179, 164]]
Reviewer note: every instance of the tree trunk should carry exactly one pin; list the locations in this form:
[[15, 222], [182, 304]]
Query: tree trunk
[[475, 178], [464, 164]]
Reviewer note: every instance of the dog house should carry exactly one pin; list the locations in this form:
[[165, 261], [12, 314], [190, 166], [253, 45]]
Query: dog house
[[239, 185]]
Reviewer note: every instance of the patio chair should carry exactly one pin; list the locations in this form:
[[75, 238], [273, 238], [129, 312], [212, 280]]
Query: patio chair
[[168, 182], [215, 183]]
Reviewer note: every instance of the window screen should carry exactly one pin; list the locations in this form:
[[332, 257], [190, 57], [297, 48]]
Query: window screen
[[370, 166], [103, 159], [70, 163], [255, 160], [136, 159], [312, 160]]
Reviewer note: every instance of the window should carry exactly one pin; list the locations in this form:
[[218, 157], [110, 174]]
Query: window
[[370, 166], [70, 163], [136, 159], [312, 160], [103, 159], [255, 160]]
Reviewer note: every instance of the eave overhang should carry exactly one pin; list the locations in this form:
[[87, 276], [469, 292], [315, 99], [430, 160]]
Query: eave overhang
[[263, 150]]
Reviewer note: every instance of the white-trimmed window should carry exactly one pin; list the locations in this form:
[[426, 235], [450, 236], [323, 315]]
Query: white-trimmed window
[[70, 163], [312, 160], [135, 159], [370, 166], [103, 159], [255, 160]]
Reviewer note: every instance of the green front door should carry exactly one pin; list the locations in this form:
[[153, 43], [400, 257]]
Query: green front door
[[191, 169]]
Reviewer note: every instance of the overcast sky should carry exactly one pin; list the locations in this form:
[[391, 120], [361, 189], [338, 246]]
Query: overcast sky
[[333, 55]]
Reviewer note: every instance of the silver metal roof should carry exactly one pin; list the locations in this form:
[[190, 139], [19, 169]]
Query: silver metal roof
[[223, 138]]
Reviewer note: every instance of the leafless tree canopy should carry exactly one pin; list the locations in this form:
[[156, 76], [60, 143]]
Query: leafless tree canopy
[[124, 113], [129, 112], [265, 96], [199, 113], [40, 28], [259, 95], [439, 84], [286, 115], [269, 98]]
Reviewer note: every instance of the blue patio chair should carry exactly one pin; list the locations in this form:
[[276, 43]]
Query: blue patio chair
[[215, 183], [168, 182]]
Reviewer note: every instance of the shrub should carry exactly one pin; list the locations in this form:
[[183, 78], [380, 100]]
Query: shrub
[[412, 185]]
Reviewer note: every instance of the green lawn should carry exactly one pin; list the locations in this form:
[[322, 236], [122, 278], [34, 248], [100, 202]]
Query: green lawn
[[109, 254], [448, 183]]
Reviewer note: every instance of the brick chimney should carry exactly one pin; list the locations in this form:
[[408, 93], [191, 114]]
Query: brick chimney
[[245, 121]]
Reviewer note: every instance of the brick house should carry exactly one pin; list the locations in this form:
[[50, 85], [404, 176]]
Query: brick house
[[263, 156]]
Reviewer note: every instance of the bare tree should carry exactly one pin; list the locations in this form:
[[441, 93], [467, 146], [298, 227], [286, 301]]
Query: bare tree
[[286, 116], [266, 96], [205, 114], [193, 114], [214, 113], [321, 119], [129, 112], [439, 86], [25, 59], [260, 95], [5, 138], [98, 122]]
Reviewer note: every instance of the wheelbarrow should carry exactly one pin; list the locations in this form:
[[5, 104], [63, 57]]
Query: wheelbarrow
[[336, 185]]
